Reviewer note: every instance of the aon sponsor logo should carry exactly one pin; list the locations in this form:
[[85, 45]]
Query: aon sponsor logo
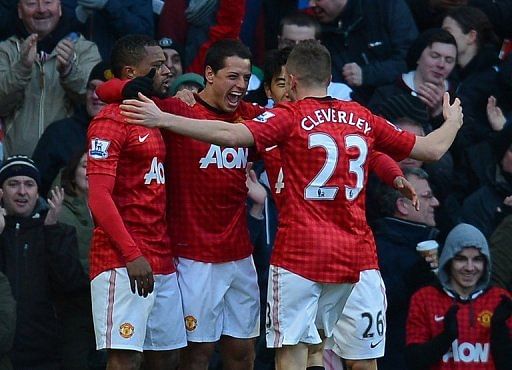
[[468, 352], [225, 158], [156, 173]]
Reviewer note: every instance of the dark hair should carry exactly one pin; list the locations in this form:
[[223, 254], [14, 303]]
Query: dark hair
[[300, 19], [222, 49], [407, 121], [470, 18], [388, 196], [274, 61], [310, 62], [129, 51], [424, 40], [67, 179]]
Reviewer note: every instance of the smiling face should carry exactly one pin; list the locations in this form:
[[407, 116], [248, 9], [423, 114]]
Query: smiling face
[[226, 88], [277, 89], [20, 195], [437, 62], [466, 269], [39, 16], [155, 58]]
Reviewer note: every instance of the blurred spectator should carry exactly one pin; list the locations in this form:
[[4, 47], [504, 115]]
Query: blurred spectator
[[39, 256], [187, 81], [7, 14], [43, 70], [105, 21], [78, 345], [430, 13], [67, 136], [7, 318], [368, 41], [461, 321], [477, 71], [403, 269], [172, 53], [501, 252]]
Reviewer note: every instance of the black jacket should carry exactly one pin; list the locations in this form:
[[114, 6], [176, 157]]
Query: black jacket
[[40, 262]]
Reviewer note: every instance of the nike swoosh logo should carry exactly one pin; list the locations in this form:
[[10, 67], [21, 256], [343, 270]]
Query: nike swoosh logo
[[270, 148], [143, 138], [438, 318], [373, 345]]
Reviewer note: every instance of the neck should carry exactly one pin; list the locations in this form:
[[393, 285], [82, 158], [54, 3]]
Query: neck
[[312, 92], [466, 56], [208, 97]]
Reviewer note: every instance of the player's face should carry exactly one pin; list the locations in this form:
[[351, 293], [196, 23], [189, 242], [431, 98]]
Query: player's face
[[436, 62], [277, 89], [39, 16], [229, 85], [93, 104], [155, 58], [20, 195], [173, 62], [293, 34], [81, 183], [410, 162], [428, 202], [327, 10], [467, 267]]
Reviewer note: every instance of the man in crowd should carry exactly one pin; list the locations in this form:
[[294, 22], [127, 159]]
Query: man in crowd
[[131, 246], [307, 271]]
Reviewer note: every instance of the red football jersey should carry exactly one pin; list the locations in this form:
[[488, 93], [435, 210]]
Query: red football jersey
[[206, 188], [324, 143], [471, 350], [134, 155]]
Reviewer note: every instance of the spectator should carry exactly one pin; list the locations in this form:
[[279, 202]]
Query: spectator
[[461, 321], [501, 254], [172, 53], [7, 318], [188, 81], [65, 137], [368, 41], [39, 256], [403, 269], [44, 69], [105, 21]]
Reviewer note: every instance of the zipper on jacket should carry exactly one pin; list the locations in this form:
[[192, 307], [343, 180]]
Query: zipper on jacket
[[41, 100], [18, 269]]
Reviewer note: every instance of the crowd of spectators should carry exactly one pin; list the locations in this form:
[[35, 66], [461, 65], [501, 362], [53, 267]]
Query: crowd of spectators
[[397, 57]]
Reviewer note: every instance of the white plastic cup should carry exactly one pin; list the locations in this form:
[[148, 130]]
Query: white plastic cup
[[429, 249]]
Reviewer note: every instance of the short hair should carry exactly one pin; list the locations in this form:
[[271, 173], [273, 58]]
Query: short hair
[[407, 121], [310, 62], [129, 50], [388, 196], [424, 40], [274, 62], [222, 49], [67, 179], [300, 19], [470, 18]]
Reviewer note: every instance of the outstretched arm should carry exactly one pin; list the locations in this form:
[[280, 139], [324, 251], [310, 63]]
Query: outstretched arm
[[145, 112], [433, 146]]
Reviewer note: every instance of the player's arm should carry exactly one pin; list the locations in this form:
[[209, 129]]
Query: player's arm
[[433, 146], [107, 216], [144, 112]]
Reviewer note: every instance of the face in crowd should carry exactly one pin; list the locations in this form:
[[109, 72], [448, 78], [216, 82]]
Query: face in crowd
[[39, 16], [20, 195]]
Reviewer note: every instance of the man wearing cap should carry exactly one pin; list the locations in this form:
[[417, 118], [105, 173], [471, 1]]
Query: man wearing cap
[[65, 137], [40, 259], [172, 53], [461, 321]]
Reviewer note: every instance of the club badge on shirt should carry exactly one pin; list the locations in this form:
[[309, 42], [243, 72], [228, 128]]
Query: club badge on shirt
[[99, 148]]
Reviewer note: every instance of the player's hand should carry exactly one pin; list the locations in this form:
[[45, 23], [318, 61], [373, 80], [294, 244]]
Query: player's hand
[[141, 276], [451, 325], [142, 112], [28, 50], [2, 214], [142, 84], [353, 74], [55, 201], [432, 95], [495, 115], [407, 190], [452, 112], [186, 96], [65, 50]]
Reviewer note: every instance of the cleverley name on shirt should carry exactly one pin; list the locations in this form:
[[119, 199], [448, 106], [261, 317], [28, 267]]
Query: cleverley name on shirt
[[331, 115]]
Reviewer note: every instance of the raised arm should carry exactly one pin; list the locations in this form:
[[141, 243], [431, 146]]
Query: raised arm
[[145, 112], [433, 146]]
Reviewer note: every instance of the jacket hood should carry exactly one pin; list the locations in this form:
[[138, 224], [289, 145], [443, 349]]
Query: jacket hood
[[460, 237]]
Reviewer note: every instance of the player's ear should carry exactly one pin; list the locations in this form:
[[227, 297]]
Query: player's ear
[[208, 74]]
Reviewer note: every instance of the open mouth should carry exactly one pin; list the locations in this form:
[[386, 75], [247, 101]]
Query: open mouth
[[234, 98]]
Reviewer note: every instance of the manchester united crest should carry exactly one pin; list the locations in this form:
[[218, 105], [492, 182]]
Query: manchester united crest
[[190, 323], [126, 330], [484, 318]]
